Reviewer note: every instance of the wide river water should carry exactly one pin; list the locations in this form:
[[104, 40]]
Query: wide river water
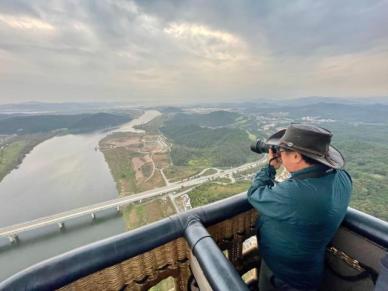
[[60, 174]]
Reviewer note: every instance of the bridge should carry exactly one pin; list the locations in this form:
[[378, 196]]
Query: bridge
[[12, 232]]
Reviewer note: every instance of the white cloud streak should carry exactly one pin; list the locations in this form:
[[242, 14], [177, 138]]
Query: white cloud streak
[[26, 23], [205, 42]]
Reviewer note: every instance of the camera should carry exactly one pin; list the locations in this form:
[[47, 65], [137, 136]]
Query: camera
[[261, 147]]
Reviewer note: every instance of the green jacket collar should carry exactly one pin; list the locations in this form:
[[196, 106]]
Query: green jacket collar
[[310, 170]]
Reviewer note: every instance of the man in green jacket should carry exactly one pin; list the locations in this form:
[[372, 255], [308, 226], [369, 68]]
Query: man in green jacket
[[299, 216]]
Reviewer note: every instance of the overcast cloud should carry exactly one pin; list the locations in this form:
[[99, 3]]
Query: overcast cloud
[[184, 51]]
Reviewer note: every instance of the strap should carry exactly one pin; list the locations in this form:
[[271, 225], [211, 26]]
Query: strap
[[366, 271], [274, 158], [371, 272]]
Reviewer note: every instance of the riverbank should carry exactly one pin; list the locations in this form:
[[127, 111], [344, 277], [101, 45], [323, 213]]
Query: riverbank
[[23, 133], [59, 174], [14, 149]]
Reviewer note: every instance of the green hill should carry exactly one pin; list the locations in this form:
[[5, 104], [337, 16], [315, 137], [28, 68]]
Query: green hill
[[220, 147], [365, 148], [212, 119]]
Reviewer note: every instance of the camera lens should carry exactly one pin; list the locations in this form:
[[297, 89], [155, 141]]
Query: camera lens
[[259, 147]]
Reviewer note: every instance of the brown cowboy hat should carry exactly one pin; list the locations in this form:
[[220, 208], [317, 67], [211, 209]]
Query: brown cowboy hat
[[310, 140]]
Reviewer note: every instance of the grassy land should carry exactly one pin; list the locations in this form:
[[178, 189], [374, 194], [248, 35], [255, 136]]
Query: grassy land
[[209, 172], [147, 169], [119, 149], [14, 150], [211, 192], [118, 160], [162, 160], [222, 180], [155, 182], [136, 215], [177, 173]]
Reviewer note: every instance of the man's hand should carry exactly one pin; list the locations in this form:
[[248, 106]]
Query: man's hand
[[274, 159]]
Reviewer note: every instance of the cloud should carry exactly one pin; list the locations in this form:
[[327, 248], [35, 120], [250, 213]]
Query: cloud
[[289, 27], [364, 72], [184, 50], [26, 23], [205, 42]]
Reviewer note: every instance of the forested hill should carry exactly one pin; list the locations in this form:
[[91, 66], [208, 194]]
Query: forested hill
[[197, 142], [222, 147], [212, 119], [46, 123]]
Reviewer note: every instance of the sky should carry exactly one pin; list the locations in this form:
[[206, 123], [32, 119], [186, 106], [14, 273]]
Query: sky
[[171, 51]]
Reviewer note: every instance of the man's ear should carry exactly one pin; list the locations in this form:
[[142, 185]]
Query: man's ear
[[297, 157]]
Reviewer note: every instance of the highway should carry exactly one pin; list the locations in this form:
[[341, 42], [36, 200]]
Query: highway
[[11, 232]]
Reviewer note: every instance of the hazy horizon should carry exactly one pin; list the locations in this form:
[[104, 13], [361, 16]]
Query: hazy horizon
[[89, 104], [184, 52]]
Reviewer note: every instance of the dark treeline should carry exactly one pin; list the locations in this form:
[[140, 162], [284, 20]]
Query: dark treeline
[[46, 123], [212, 119]]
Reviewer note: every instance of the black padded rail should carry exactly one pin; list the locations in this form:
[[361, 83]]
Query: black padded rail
[[73, 265], [368, 226], [219, 272], [64, 269]]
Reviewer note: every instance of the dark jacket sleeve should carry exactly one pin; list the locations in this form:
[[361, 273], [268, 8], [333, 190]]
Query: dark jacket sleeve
[[270, 199]]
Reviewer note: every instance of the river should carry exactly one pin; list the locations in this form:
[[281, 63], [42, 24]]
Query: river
[[60, 174]]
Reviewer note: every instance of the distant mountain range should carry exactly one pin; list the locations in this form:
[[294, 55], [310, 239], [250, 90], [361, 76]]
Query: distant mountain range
[[314, 100], [47, 123], [78, 107], [367, 113], [66, 107], [372, 110]]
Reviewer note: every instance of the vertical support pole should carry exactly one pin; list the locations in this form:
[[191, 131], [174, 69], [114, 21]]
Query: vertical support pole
[[219, 272]]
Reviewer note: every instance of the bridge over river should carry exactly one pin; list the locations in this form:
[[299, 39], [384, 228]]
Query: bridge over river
[[12, 232]]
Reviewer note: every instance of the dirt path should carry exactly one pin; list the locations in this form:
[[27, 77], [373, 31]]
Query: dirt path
[[165, 178], [164, 148], [153, 170]]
